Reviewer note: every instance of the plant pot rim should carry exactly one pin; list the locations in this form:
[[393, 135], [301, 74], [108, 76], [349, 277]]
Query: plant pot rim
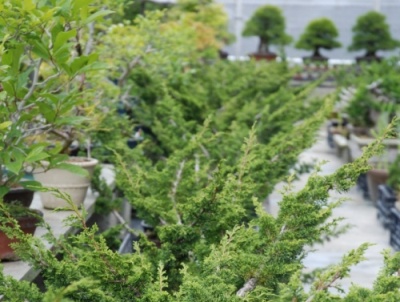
[[77, 160]]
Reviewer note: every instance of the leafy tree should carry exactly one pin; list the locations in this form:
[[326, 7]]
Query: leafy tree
[[319, 33], [371, 32], [267, 23]]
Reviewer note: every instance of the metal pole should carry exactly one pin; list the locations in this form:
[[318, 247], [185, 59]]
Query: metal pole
[[238, 27]]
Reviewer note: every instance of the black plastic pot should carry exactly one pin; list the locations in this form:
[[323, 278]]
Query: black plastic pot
[[395, 230], [21, 195], [384, 205], [362, 185]]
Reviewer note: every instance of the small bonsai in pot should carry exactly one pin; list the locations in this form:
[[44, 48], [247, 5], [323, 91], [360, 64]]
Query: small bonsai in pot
[[319, 34], [371, 33], [267, 23]]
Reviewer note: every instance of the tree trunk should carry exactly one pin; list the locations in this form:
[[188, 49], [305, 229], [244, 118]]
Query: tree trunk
[[142, 7], [263, 46], [316, 52], [370, 53]]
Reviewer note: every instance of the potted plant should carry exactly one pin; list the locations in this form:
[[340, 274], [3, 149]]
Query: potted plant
[[319, 34], [267, 23], [46, 102], [22, 218], [371, 33]]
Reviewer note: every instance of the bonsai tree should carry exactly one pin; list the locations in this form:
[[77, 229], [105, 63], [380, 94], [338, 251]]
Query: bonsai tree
[[371, 32], [319, 33], [268, 23]]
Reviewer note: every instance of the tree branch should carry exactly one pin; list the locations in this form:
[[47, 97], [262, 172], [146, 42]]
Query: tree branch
[[131, 65], [89, 43], [21, 105], [247, 287], [175, 189]]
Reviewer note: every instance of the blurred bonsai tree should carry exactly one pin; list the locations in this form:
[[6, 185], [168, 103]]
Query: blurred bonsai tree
[[319, 33], [268, 23], [371, 32], [210, 15]]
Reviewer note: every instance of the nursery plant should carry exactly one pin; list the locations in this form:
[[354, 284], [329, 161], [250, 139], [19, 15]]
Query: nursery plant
[[268, 24], [228, 145], [319, 34], [372, 33], [45, 102], [227, 261], [45, 61]]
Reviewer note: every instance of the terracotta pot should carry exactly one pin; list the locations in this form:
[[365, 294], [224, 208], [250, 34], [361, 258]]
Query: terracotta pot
[[21, 195], [73, 184], [263, 56], [27, 223], [376, 177]]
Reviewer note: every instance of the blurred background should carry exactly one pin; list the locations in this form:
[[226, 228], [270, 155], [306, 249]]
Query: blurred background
[[299, 13]]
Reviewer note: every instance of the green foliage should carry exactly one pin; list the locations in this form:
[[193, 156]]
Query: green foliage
[[224, 134], [394, 174], [359, 107], [106, 201], [208, 13], [371, 32], [267, 23], [319, 33], [45, 102], [375, 91]]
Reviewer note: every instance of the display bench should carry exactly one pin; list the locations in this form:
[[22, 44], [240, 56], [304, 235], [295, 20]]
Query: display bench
[[23, 271]]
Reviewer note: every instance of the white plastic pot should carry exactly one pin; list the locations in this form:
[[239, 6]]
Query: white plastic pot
[[73, 184]]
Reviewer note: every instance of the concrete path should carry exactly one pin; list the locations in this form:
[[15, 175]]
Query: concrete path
[[357, 211]]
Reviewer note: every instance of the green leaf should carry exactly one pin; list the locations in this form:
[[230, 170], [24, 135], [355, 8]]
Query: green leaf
[[14, 166], [31, 184], [70, 120], [40, 49], [3, 191], [78, 63], [5, 125], [9, 88], [97, 15], [47, 110], [62, 54], [93, 67], [28, 5], [73, 169], [36, 154], [62, 38], [12, 58]]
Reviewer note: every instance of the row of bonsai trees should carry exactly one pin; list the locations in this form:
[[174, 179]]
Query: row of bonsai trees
[[370, 33]]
